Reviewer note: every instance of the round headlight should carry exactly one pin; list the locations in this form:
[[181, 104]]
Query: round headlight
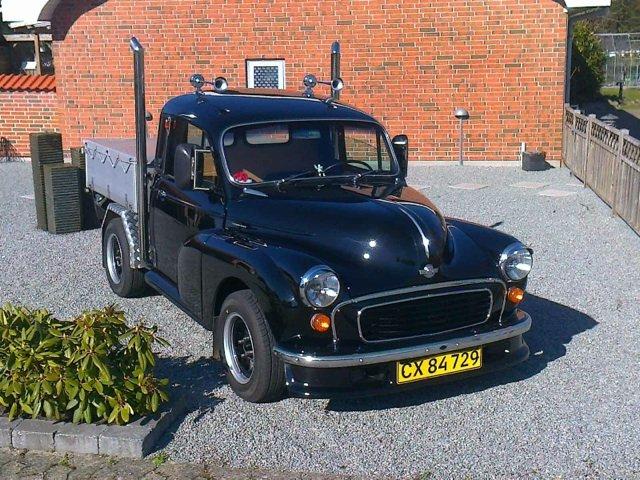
[[319, 287], [516, 261]]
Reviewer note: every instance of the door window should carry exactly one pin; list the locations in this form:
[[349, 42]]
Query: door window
[[184, 132]]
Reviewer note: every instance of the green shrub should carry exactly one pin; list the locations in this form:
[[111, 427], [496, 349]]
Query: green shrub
[[588, 60], [92, 368]]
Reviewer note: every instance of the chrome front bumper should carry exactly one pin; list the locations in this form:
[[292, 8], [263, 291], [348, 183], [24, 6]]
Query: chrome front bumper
[[520, 326]]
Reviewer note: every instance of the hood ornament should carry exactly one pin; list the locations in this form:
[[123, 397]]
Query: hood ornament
[[428, 271]]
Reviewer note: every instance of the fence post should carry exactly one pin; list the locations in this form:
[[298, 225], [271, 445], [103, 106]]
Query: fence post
[[572, 134], [616, 178], [586, 148]]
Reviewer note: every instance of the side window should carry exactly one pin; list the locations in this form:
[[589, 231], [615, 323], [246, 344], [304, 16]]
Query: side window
[[205, 165], [181, 131], [177, 135], [195, 136], [365, 145], [163, 130]]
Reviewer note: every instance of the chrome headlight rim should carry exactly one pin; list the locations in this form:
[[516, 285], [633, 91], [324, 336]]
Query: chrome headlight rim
[[511, 251], [312, 274]]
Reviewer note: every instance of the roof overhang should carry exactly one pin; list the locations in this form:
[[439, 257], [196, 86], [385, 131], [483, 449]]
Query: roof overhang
[[43, 10], [21, 13], [48, 7], [573, 4], [46, 13]]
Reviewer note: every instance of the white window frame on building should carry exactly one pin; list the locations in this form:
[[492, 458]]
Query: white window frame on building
[[252, 64]]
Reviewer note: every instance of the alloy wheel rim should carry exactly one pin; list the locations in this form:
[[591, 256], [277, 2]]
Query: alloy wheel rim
[[238, 348], [114, 258]]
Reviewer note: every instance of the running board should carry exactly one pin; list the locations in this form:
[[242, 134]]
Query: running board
[[169, 290]]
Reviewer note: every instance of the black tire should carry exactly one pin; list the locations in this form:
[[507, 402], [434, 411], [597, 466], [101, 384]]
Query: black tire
[[125, 281], [266, 382]]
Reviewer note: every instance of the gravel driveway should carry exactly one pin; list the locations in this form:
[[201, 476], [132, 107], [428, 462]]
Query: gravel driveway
[[573, 410]]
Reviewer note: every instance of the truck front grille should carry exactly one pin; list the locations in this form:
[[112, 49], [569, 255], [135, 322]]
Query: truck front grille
[[429, 315]]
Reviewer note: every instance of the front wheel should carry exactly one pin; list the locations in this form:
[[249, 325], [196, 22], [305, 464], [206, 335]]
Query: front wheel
[[245, 340], [125, 281]]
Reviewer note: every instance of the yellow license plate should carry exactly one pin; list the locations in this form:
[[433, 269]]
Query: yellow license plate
[[438, 365]]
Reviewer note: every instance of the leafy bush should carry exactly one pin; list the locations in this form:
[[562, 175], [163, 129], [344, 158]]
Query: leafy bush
[[588, 59], [92, 368]]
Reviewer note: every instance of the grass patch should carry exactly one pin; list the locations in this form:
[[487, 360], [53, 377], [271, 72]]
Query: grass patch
[[160, 459], [629, 95]]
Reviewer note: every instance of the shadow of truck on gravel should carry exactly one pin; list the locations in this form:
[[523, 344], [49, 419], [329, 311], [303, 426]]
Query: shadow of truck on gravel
[[194, 381], [554, 325]]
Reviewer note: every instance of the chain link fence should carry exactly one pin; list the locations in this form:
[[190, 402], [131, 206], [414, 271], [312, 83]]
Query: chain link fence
[[623, 58]]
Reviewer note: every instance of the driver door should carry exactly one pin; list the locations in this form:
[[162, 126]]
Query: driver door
[[179, 212]]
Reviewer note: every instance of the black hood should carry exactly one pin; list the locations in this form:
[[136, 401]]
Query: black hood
[[367, 241]]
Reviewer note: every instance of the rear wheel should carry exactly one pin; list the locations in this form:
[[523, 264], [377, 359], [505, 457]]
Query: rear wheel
[[124, 281], [246, 343]]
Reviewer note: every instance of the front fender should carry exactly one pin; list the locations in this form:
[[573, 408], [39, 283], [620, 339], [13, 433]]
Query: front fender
[[272, 274], [492, 242], [488, 239]]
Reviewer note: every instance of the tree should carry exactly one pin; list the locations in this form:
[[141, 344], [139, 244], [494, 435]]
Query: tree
[[624, 17], [588, 59]]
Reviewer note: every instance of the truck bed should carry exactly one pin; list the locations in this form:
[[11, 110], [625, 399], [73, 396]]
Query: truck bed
[[111, 168]]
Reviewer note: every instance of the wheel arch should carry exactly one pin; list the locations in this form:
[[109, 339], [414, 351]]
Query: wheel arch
[[129, 221], [228, 286]]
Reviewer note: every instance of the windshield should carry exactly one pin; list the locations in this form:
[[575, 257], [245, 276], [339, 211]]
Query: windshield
[[264, 153]]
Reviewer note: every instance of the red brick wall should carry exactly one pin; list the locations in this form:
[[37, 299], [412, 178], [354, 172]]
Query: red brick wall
[[22, 113], [409, 63]]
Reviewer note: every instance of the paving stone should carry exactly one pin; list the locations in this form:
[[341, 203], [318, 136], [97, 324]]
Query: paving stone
[[531, 185], [552, 192], [469, 186], [34, 435], [36, 464], [119, 470], [89, 466], [58, 472], [82, 438], [6, 427]]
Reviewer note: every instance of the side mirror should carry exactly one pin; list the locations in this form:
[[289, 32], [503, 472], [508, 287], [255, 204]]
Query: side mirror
[[182, 165], [204, 170], [401, 149]]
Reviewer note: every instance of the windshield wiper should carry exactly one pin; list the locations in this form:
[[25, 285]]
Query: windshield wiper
[[321, 170], [364, 177]]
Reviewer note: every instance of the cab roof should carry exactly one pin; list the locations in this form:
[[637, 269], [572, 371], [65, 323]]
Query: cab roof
[[215, 112]]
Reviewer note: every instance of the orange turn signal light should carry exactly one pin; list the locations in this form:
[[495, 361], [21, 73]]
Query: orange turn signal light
[[321, 322], [515, 295]]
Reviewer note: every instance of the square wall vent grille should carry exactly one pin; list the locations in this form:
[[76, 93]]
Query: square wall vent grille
[[265, 74]]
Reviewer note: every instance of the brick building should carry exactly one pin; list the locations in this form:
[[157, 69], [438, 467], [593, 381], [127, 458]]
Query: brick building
[[410, 63]]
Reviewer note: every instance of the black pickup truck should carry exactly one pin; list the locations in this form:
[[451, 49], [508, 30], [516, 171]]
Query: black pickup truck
[[283, 222]]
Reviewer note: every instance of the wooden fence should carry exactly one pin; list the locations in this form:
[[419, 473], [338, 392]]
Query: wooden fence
[[605, 159]]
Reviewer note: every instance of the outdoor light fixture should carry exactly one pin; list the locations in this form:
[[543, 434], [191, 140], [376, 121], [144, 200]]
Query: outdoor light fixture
[[462, 115], [220, 84], [198, 82]]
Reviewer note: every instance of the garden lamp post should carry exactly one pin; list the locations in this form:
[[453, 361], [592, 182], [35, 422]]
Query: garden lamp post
[[462, 115]]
